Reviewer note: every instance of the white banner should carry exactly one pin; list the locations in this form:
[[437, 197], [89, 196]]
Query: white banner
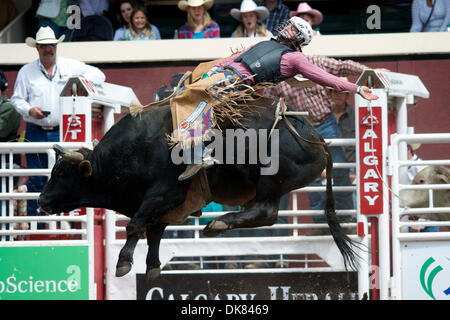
[[426, 270]]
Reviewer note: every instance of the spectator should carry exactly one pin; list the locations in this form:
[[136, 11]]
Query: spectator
[[139, 28], [36, 97], [9, 121], [345, 118], [7, 13], [251, 16], [94, 28], [199, 23], [9, 125], [430, 15], [53, 13], [9, 117], [96, 7], [312, 16], [126, 8], [278, 12], [320, 106]]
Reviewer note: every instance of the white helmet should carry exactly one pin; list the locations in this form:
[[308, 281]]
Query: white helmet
[[305, 32]]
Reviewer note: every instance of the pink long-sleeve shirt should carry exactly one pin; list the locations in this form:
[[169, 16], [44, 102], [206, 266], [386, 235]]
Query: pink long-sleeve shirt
[[293, 63], [316, 100]]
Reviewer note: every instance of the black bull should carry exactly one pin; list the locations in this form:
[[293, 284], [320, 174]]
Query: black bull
[[130, 171]]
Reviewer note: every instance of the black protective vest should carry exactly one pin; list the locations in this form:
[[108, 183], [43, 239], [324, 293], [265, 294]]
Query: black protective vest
[[263, 60]]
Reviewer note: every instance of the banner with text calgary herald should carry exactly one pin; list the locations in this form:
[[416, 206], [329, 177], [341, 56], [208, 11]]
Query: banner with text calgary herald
[[249, 286]]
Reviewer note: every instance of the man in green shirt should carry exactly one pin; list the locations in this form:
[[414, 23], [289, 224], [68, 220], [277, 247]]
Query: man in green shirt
[[9, 117]]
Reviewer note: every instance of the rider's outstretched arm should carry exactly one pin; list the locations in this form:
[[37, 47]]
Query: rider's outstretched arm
[[293, 63]]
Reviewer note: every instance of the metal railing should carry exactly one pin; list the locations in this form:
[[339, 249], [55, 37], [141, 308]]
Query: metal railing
[[399, 227], [55, 230], [7, 195]]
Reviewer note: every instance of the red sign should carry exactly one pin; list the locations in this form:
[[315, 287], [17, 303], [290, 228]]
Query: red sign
[[371, 160], [74, 128], [88, 85]]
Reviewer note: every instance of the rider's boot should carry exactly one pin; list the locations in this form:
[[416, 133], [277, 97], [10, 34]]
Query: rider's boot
[[192, 169]]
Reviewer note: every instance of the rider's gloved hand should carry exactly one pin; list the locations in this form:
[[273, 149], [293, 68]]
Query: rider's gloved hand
[[366, 93]]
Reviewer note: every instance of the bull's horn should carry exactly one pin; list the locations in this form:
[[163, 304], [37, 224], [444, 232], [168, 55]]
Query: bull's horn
[[58, 149], [72, 156], [46, 212]]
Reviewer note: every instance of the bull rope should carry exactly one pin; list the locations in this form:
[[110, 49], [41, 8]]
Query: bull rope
[[282, 113]]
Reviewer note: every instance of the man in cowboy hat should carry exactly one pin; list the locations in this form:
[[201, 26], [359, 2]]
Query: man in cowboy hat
[[312, 16], [36, 96]]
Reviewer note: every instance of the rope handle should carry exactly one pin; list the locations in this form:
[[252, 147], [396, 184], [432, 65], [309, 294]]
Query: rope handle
[[136, 108], [292, 128]]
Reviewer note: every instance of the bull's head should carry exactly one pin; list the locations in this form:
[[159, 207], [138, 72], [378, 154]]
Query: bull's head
[[76, 158], [70, 176]]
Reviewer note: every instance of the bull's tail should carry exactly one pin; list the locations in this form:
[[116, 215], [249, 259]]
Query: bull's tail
[[344, 243]]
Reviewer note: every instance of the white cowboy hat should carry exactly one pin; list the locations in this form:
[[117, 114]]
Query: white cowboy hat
[[183, 4], [45, 35], [250, 6]]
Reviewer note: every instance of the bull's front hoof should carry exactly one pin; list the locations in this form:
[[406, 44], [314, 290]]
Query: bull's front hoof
[[122, 268], [152, 274], [214, 228]]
